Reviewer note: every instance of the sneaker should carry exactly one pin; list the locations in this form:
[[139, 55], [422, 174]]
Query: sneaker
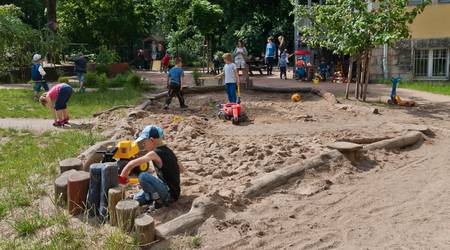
[[184, 106], [65, 121], [58, 124], [155, 205]]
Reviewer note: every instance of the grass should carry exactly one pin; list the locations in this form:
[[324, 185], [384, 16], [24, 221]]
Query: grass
[[28, 160], [196, 241], [436, 88], [19, 103]]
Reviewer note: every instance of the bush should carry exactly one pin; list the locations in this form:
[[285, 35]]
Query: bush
[[119, 80], [196, 75], [91, 79], [106, 56], [134, 81], [102, 69], [102, 82], [63, 79]]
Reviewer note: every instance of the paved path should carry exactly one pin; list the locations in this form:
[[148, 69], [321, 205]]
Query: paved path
[[38, 125]]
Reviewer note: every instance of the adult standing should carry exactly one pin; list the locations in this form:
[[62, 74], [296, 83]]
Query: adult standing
[[282, 46], [80, 70], [240, 56], [269, 57], [56, 100]]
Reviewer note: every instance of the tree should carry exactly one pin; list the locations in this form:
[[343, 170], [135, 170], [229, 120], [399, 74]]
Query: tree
[[350, 27], [33, 11]]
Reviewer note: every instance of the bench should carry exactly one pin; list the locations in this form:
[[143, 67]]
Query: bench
[[202, 80]]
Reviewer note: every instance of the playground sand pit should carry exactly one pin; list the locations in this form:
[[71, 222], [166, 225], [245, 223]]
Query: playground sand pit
[[222, 159]]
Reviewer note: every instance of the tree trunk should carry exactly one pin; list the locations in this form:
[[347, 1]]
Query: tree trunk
[[358, 76], [366, 74], [51, 15], [363, 74], [349, 77], [77, 188], [114, 196]]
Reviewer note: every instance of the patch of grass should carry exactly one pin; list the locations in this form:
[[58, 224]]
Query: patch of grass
[[117, 240], [67, 238], [19, 103], [28, 160], [196, 241], [28, 225], [437, 88]]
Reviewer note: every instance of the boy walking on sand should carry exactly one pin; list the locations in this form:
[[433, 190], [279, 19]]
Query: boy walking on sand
[[37, 76], [231, 77], [175, 84]]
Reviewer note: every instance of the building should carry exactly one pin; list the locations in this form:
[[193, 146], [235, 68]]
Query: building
[[423, 57]]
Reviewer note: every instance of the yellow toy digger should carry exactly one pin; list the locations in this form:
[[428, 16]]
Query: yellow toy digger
[[122, 153]]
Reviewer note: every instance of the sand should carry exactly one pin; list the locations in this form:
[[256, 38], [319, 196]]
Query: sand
[[391, 199]]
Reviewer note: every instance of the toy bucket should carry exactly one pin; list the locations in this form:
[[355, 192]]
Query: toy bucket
[[315, 81]]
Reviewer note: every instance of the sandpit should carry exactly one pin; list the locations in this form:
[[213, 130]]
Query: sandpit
[[222, 160]]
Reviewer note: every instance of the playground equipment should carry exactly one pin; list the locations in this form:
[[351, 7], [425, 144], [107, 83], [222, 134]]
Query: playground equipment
[[296, 97]]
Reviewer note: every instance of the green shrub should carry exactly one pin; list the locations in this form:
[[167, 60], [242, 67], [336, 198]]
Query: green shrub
[[91, 79], [102, 68], [134, 81], [196, 75], [119, 80], [106, 56], [63, 79], [102, 82]]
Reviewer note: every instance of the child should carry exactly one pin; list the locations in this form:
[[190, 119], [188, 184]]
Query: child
[[231, 77], [165, 187], [165, 62], [323, 69], [37, 76], [283, 63], [300, 69], [56, 100], [175, 83], [80, 70]]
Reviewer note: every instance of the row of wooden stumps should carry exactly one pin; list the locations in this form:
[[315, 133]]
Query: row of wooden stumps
[[99, 194]]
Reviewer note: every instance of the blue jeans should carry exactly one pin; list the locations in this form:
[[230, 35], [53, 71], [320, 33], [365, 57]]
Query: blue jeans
[[153, 188], [231, 91]]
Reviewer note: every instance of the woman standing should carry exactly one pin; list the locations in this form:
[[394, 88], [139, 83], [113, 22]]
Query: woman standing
[[282, 45], [240, 55]]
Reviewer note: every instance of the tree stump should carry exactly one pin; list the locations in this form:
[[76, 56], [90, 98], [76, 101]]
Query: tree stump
[[77, 188], [68, 164], [93, 197], [109, 178], [126, 212], [351, 151], [145, 229], [61, 187], [115, 195]]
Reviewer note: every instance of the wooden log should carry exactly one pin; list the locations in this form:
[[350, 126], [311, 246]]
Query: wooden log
[[90, 155], [159, 95], [403, 141], [115, 195], [202, 208], [70, 163], [144, 105], [145, 229], [77, 188], [350, 150], [126, 212], [112, 109], [61, 187], [364, 140], [109, 177], [93, 195], [279, 177], [283, 90]]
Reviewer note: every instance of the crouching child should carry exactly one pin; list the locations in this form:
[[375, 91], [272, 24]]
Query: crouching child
[[164, 188]]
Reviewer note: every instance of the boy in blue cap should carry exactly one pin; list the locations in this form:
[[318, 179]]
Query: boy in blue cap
[[165, 187], [38, 76]]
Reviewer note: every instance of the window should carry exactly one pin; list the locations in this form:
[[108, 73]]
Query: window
[[444, 1], [439, 62], [415, 2], [432, 63], [421, 63]]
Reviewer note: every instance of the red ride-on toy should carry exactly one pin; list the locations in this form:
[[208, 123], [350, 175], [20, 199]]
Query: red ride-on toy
[[231, 111]]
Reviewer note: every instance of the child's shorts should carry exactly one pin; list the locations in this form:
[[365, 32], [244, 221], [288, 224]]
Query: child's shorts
[[39, 85], [63, 97], [81, 77]]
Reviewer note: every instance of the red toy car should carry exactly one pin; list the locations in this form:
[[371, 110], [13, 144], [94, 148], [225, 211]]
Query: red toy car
[[231, 111]]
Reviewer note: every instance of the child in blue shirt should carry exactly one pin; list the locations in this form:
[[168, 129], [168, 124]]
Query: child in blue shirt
[[37, 76], [283, 63], [175, 84]]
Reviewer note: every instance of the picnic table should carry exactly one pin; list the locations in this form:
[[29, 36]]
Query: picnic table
[[256, 65]]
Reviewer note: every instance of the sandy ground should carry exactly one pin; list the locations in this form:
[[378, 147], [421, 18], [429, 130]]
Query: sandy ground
[[390, 200]]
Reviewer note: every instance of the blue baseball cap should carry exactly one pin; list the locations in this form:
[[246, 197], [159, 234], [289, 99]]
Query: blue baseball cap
[[151, 131]]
